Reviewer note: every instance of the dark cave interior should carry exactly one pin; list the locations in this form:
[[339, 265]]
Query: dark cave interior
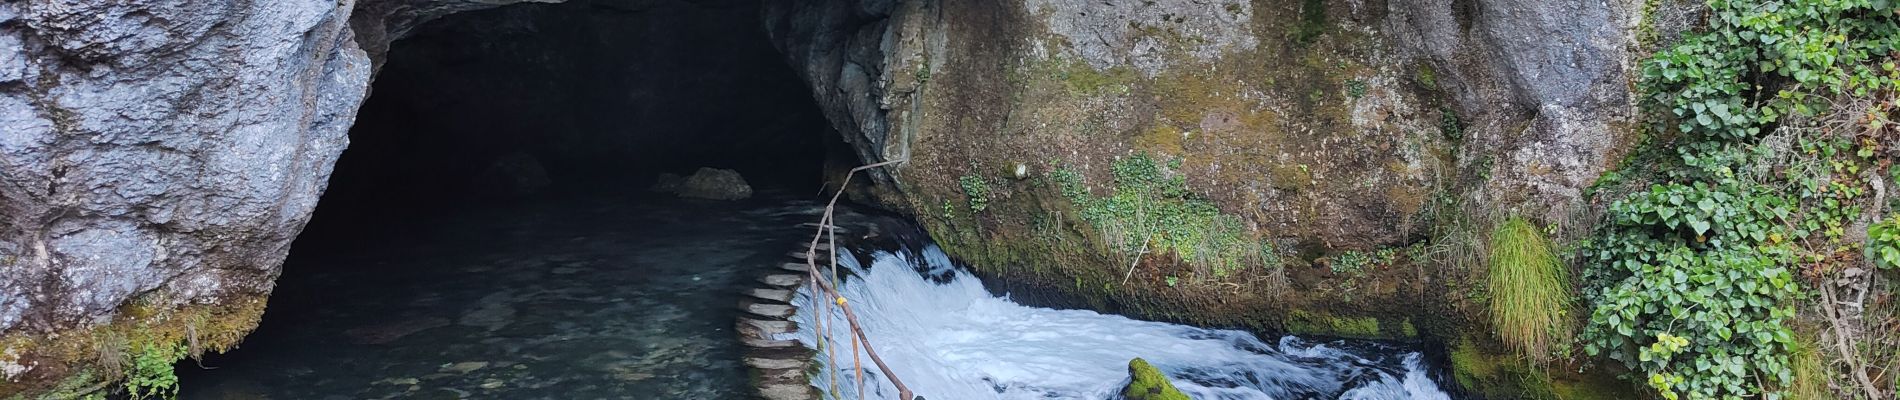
[[588, 97], [499, 145]]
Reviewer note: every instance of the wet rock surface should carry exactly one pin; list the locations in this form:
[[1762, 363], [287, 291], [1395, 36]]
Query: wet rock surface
[[715, 184], [574, 299]]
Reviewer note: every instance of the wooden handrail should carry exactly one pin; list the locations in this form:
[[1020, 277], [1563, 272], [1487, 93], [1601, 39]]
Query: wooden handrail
[[827, 229]]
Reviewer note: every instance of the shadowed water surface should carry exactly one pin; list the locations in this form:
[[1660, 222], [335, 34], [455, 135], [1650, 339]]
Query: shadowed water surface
[[609, 297]]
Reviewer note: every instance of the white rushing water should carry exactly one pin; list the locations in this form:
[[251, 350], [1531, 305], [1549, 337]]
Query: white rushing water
[[948, 339]]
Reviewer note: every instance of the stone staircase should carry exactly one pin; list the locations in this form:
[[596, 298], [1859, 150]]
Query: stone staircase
[[781, 366]]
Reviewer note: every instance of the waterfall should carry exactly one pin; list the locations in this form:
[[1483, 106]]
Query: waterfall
[[948, 338]]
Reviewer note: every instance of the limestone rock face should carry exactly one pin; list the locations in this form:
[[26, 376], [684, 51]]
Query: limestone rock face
[[162, 146], [165, 153], [1348, 116], [1236, 149], [1544, 84]]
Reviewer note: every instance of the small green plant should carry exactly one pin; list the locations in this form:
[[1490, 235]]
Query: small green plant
[[1427, 77], [1172, 280], [1312, 21], [1356, 262], [151, 375], [1152, 209], [1883, 243], [1449, 125], [1355, 88], [1529, 289], [978, 189]]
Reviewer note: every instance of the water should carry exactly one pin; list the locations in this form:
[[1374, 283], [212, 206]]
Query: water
[[947, 337], [609, 297]]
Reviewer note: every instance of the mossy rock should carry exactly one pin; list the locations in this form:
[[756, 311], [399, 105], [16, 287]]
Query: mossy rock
[[1147, 383], [1494, 374]]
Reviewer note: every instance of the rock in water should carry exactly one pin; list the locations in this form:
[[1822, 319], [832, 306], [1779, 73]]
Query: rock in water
[[514, 175], [1147, 383], [667, 182], [716, 184]]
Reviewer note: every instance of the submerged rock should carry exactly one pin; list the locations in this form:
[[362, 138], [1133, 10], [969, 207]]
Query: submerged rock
[[1147, 383], [667, 182], [514, 175], [715, 184], [390, 332]]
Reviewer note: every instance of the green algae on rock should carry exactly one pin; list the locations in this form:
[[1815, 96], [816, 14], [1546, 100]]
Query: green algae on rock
[[1147, 383]]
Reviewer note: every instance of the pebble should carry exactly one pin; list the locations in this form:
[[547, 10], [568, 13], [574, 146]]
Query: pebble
[[465, 366], [398, 381]]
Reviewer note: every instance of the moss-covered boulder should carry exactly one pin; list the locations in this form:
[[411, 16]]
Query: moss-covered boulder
[[1321, 167], [1147, 383]]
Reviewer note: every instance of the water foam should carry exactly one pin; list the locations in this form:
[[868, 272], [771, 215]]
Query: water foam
[[946, 337]]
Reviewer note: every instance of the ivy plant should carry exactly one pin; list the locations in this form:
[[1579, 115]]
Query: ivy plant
[[1883, 243], [1691, 282]]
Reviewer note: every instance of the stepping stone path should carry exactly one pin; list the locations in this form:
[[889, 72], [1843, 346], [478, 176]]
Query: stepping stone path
[[781, 365]]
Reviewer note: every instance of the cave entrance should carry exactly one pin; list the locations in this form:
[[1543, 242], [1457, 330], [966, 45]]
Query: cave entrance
[[490, 232]]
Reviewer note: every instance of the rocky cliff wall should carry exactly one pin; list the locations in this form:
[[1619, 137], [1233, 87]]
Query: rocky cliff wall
[[1307, 166], [1271, 163], [157, 159]]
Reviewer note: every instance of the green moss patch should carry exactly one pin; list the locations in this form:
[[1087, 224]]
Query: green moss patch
[[131, 355], [1300, 322], [1500, 375], [1147, 383]]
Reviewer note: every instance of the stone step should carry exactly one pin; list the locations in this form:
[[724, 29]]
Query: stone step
[[775, 363], [799, 267], [771, 376], [780, 358], [788, 384], [782, 281], [776, 311], [764, 329], [777, 295], [758, 343], [823, 257], [788, 391]]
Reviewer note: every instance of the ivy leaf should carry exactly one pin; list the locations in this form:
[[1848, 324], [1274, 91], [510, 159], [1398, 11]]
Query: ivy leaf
[[1700, 226]]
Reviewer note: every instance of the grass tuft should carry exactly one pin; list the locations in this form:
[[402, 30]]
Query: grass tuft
[[1529, 287], [1810, 372]]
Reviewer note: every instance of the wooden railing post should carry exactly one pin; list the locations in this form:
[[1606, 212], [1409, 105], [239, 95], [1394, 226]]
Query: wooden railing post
[[827, 230]]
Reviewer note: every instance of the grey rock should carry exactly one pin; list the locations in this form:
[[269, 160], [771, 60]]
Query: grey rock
[[667, 183], [1543, 86], [162, 146], [170, 148], [515, 175], [1110, 34], [715, 184]]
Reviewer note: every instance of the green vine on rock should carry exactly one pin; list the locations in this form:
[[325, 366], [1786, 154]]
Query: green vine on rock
[[1692, 283]]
